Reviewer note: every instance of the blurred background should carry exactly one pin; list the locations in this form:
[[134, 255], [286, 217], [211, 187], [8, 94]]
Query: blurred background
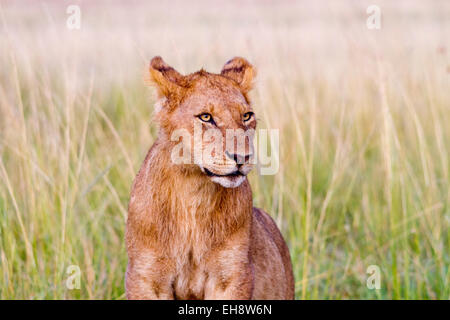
[[363, 116]]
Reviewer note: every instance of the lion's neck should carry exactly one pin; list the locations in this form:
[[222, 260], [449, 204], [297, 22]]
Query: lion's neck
[[178, 202]]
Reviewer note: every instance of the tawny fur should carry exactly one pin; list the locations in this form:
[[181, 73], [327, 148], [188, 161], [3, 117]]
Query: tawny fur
[[188, 237]]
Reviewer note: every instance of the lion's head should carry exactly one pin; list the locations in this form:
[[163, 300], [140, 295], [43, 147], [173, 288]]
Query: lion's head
[[207, 119]]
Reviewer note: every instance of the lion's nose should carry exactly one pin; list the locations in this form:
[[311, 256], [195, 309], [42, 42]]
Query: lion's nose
[[238, 158]]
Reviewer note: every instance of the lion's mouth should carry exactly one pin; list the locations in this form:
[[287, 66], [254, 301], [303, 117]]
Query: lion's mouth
[[236, 173]]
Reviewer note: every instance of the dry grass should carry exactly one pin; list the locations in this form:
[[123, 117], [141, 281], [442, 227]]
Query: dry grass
[[363, 118]]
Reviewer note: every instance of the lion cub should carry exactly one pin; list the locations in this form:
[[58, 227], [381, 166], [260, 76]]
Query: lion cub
[[192, 232]]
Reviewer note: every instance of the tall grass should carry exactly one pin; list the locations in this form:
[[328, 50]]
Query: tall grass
[[364, 137]]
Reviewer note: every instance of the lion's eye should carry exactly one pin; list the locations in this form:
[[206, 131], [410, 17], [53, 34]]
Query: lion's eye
[[205, 117], [247, 116]]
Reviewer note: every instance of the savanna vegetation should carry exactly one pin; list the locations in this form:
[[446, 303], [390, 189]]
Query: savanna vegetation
[[363, 118]]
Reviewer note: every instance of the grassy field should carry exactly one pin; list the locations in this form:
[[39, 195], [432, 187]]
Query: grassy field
[[364, 137]]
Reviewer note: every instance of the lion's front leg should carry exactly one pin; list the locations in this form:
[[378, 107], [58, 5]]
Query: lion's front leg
[[148, 278], [231, 286], [230, 271]]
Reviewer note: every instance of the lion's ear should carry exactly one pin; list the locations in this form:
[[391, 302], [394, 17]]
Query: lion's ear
[[167, 79], [241, 71]]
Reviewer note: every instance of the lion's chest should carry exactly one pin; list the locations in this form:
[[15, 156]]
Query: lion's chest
[[190, 278], [189, 248]]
